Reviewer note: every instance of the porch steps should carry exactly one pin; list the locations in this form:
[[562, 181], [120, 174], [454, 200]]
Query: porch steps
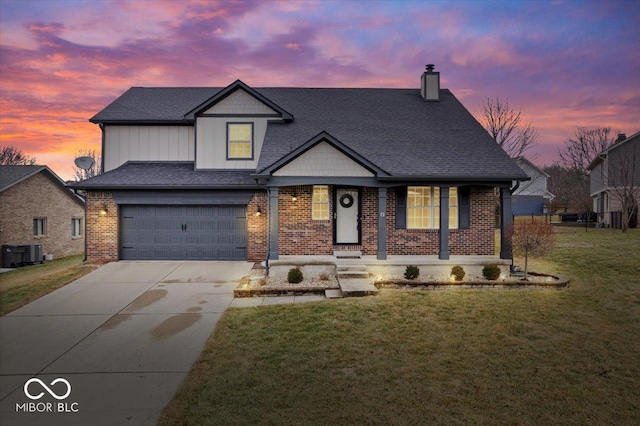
[[353, 278], [347, 254], [333, 293]]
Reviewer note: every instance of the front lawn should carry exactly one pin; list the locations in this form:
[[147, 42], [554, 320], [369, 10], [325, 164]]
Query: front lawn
[[26, 284], [453, 356]]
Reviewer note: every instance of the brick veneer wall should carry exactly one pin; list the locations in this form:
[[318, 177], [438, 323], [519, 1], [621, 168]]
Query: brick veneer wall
[[257, 228], [478, 240], [102, 231], [40, 196]]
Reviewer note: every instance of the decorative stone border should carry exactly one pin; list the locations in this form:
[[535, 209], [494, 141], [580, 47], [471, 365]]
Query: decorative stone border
[[560, 281]]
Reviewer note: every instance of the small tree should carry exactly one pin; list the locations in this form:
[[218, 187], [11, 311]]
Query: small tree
[[531, 238], [12, 156]]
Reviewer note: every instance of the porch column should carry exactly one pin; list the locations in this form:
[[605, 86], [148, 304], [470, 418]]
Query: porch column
[[444, 223], [382, 223], [273, 223], [506, 217]]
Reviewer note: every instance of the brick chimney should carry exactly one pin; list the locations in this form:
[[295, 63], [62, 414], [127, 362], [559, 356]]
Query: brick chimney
[[621, 137], [430, 84]]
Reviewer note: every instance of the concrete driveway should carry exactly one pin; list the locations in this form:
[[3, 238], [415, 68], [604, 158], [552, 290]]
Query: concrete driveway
[[122, 339]]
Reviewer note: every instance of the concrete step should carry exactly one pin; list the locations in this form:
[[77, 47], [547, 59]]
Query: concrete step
[[347, 254], [353, 274], [342, 267], [357, 287], [333, 293]]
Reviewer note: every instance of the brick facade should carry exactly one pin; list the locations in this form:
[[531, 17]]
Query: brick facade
[[299, 234], [102, 230], [40, 197], [257, 237]]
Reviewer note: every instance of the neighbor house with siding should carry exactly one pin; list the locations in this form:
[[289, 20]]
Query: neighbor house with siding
[[614, 173], [244, 173], [37, 208], [530, 196]]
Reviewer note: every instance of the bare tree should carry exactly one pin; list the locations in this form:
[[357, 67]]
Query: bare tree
[[570, 187], [95, 169], [12, 156], [587, 144], [531, 238], [507, 127]]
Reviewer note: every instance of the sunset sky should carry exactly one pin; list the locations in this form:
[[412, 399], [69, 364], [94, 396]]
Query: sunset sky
[[564, 63]]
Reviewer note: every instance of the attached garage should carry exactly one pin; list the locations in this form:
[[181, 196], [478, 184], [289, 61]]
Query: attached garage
[[184, 226]]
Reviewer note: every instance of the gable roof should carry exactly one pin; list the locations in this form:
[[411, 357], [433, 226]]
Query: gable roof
[[594, 163], [13, 175], [322, 137], [394, 130], [237, 85]]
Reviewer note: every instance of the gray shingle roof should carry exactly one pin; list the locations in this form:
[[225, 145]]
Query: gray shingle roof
[[146, 175], [393, 128], [11, 175]]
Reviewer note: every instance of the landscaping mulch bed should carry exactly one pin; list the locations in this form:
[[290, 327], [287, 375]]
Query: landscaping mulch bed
[[258, 284]]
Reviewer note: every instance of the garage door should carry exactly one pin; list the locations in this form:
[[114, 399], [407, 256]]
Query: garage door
[[183, 233]]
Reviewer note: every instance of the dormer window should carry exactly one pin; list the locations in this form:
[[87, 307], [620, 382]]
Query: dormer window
[[239, 141]]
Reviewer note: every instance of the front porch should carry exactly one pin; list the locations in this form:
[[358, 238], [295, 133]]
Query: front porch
[[368, 267]]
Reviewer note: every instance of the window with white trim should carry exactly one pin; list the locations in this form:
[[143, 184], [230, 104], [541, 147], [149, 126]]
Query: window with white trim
[[240, 141], [76, 227], [39, 226], [320, 202], [423, 207]]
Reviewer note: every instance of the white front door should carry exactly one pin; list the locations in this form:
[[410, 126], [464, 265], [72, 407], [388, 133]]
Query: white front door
[[347, 213]]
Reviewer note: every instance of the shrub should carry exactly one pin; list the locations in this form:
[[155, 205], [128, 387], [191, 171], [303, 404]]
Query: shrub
[[323, 276], [458, 272], [294, 276], [412, 272], [491, 272]]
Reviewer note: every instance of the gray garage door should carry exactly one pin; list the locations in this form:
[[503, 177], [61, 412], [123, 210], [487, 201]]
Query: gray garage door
[[183, 233]]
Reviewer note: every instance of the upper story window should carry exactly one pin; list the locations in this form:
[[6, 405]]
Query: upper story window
[[423, 207], [240, 141], [320, 202], [39, 226]]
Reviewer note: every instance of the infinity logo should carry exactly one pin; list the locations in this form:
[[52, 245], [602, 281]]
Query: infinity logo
[[52, 393]]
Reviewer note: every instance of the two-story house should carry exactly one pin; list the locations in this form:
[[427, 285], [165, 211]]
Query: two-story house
[[530, 196], [242, 173], [613, 175]]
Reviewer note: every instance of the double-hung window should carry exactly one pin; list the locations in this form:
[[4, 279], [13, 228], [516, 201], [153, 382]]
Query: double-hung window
[[423, 207], [76, 227], [320, 202], [39, 226], [240, 141]]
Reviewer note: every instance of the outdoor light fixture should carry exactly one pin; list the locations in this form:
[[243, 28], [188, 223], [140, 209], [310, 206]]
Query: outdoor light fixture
[[259, 211], [103, 210], [294, 197]]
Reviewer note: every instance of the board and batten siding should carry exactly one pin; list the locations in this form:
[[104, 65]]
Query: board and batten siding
[[323, 160], [211, 130], [147, 143]]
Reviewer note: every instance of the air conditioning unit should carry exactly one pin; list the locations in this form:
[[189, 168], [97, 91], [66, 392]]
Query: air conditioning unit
[[32, 254]]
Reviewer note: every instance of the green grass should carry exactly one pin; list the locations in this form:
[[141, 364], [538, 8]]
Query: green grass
[[26, 284], [454, 356]]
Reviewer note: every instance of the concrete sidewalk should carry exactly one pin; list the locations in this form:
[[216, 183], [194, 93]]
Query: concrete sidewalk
[[123, 337]]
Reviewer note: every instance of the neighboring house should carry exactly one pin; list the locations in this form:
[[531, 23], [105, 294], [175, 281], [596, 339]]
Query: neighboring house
[[529, 198], [239, 173], [614, 173], [36, 207]]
